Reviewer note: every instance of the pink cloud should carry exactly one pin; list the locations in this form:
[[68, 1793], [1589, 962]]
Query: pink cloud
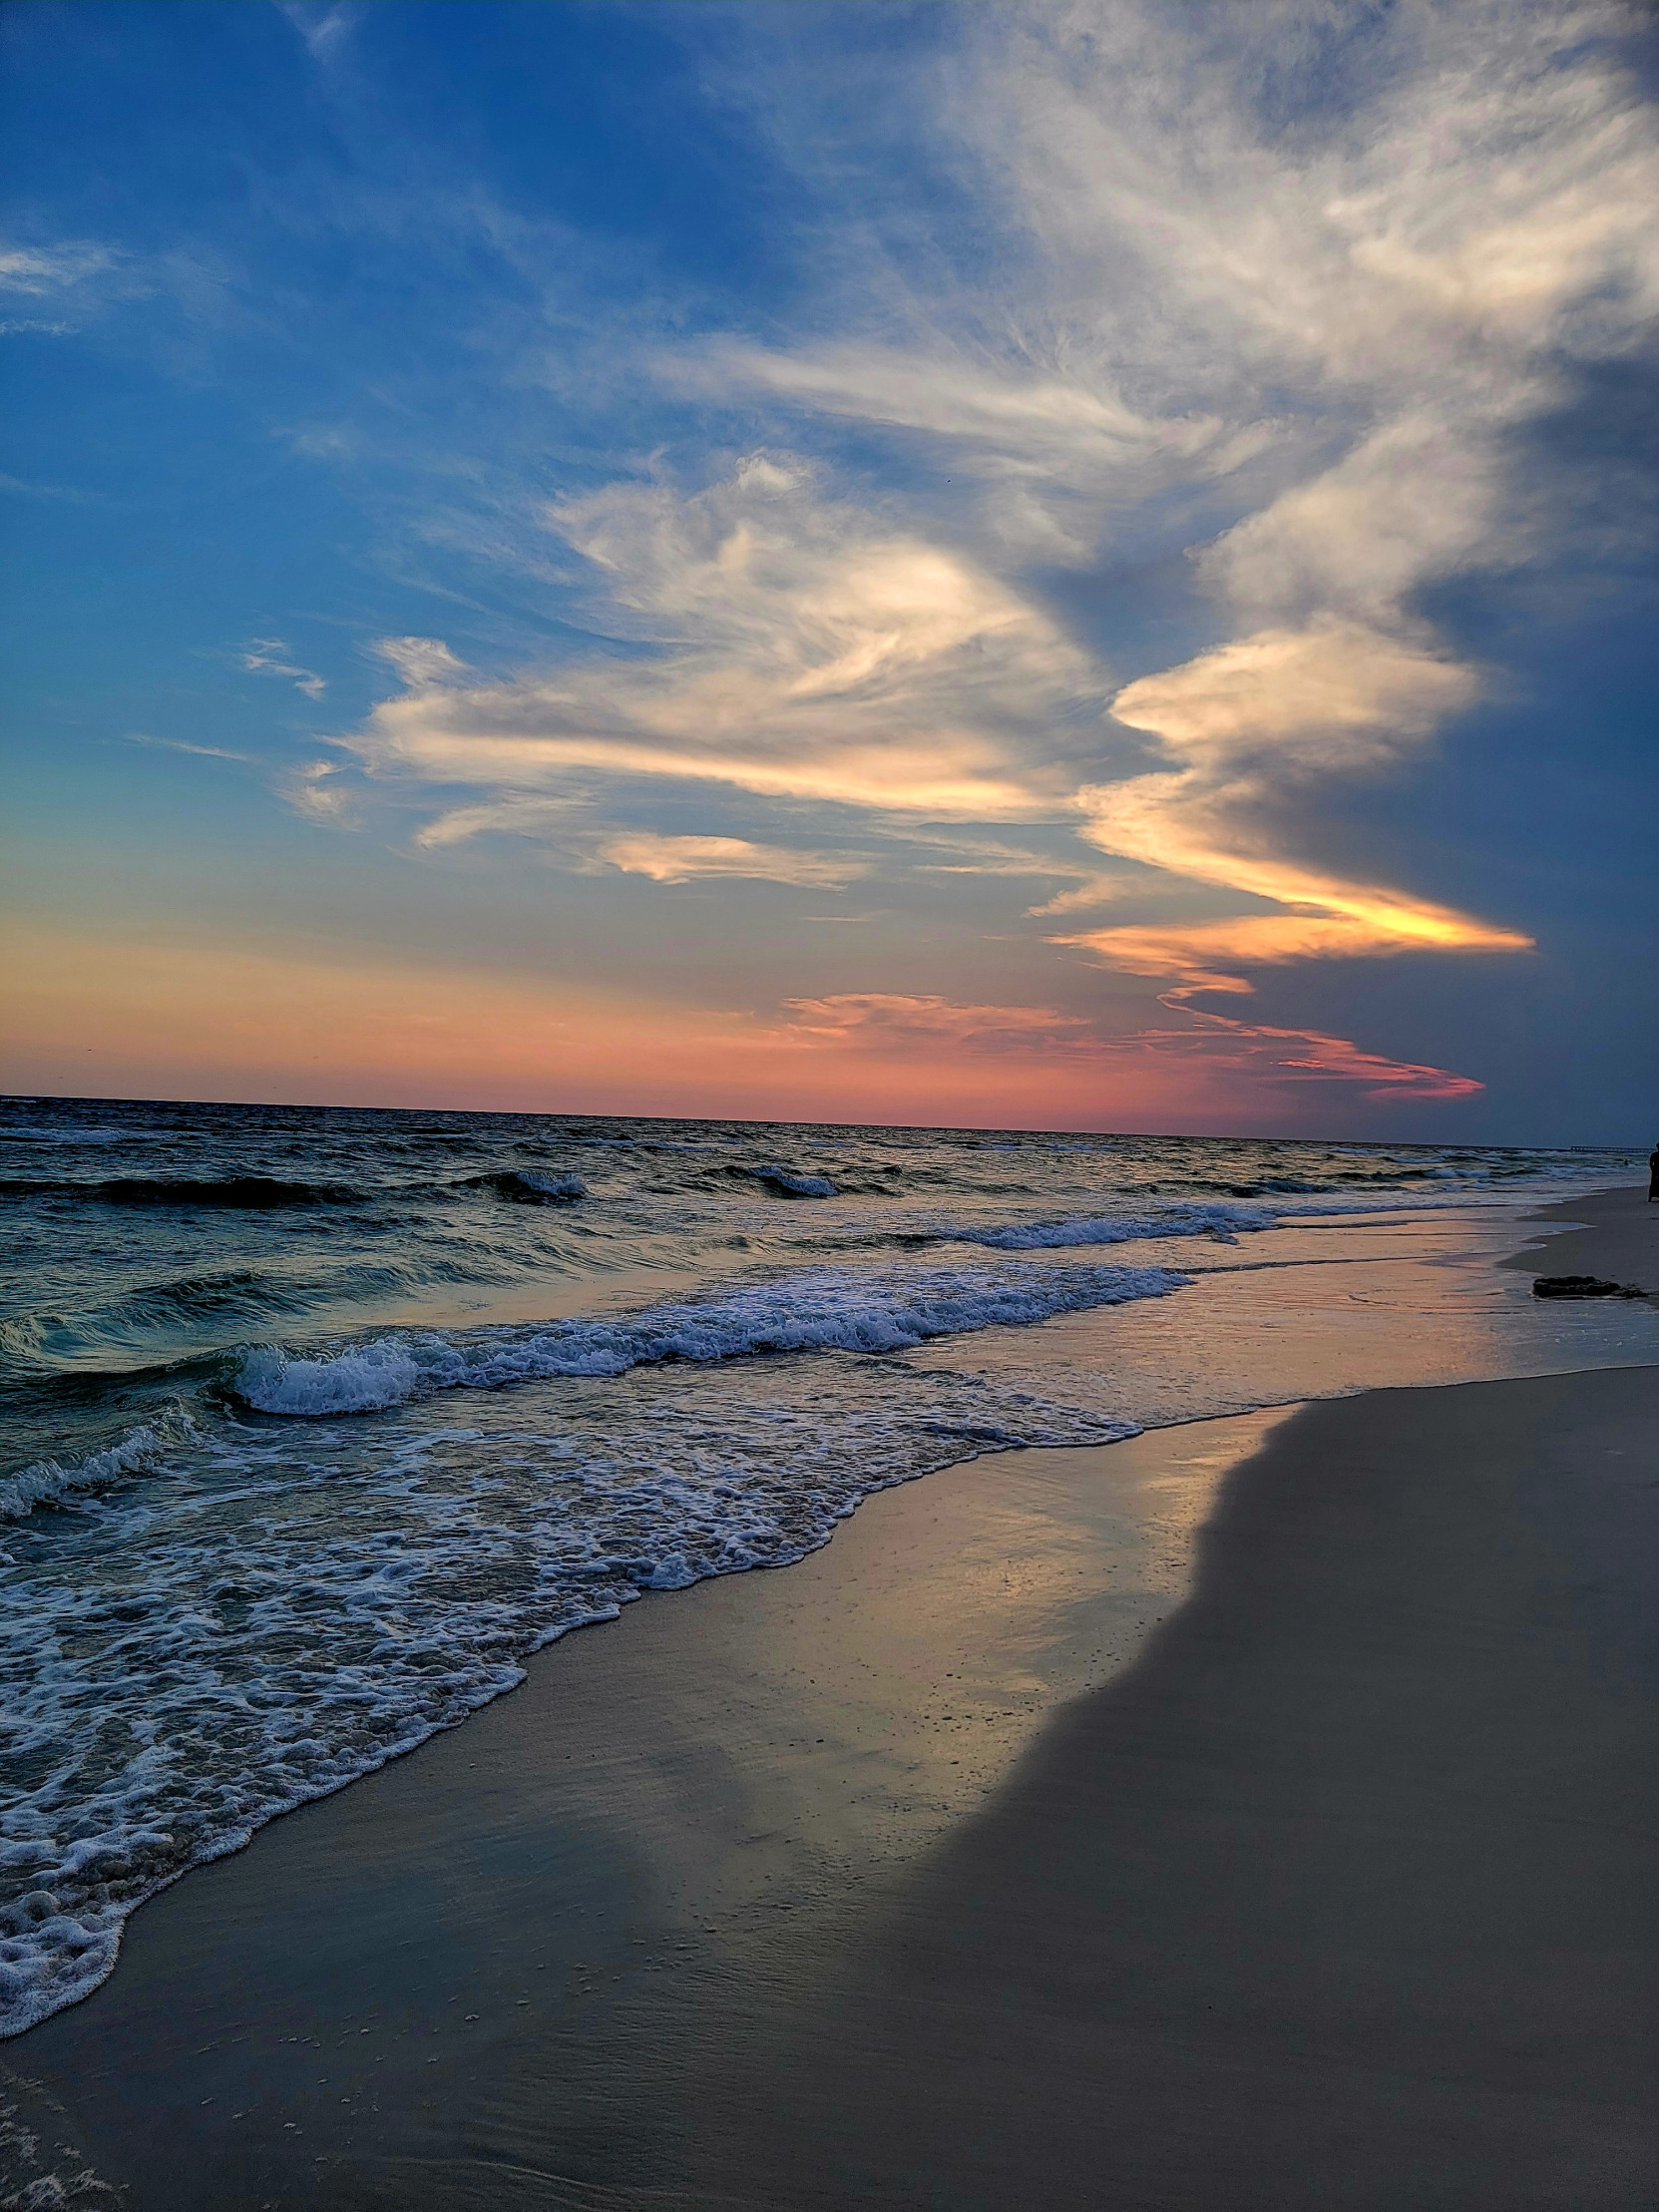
[[1252, 1054]]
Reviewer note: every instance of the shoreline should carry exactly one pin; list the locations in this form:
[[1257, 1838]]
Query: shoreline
[[1618, 1238], [743, 1785]]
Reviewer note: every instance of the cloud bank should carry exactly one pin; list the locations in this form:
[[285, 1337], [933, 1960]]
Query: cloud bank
[[1278, 295]]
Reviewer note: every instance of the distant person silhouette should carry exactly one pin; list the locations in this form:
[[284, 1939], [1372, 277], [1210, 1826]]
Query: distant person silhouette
[[1653, 1174]]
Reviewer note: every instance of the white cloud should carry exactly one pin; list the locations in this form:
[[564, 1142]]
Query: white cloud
[[263, 657], [420, 661], [784, 644], [37, 270], [320, 24], [178, 745], [314, 790]]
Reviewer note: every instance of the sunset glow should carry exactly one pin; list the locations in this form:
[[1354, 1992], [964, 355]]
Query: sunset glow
[[522, 631]]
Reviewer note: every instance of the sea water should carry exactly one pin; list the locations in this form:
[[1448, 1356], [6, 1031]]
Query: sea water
[[318, 1422]]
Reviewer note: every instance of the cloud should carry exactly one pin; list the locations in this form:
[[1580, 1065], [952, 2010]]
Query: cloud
[[1094, 890], [1257, 723], [321, 25], [897, 1021], [261, 657], [1204, 956], [776, 641], [22, 488], [1365, 296], [322, 441], [978, 855], [1331, 698], [543, 820], [567, 828], [312, 790], [680, 860], [420, 661], [1250, 1056], [178, 745], [900, 1025], [1045, 451], [38, 271], [1249, 316]]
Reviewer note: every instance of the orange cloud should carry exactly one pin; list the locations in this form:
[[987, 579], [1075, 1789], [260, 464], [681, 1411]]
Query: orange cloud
[[1254, 721], [1202, 956]]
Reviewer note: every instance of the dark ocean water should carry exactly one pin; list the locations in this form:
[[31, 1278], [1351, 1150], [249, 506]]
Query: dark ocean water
[[317, 1421]]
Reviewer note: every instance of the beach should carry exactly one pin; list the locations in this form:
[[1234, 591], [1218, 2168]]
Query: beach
[[1260, 1811]]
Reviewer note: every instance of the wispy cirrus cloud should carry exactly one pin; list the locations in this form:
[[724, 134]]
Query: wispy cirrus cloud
[[782, 642], [1409, 277], [322, 23], [683, 859], [38, 271], [180, 744], [266, 656], [70, 278]]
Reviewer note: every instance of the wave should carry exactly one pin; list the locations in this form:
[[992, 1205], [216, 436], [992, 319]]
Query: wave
[[789, 1182], [226, 1305], [819, 1309], [50, 1482], [1189, 1219], [523, 1188], [247, 1193], [1280, 1185]]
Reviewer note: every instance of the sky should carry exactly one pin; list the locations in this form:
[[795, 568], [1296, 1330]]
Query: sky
[[1081, 566]]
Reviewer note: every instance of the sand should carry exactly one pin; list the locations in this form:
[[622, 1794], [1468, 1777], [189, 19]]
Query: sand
[[1619, 1240], [939, 1869]]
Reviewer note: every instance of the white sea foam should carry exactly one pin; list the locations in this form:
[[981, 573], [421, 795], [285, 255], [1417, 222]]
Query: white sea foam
[[48, 1483], [817, 1309], [374, 1376], [795, 1183], [555, 1186], [248, 1667], [530, 1187]]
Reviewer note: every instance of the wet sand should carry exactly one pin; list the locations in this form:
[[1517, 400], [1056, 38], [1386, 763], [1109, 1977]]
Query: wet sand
[[939, 1869], [1619, 1240]]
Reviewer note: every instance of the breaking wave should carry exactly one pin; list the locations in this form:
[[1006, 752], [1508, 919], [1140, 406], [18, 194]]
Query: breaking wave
[[48, 1483], [522, 1187], [819, 1309], [1225, 1222], [788, 1183]]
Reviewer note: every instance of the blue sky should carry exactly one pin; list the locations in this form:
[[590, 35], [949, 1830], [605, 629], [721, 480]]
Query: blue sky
[[1071, 566]]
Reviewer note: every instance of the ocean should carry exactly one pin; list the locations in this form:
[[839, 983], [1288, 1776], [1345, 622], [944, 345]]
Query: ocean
[[318, 1422]]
